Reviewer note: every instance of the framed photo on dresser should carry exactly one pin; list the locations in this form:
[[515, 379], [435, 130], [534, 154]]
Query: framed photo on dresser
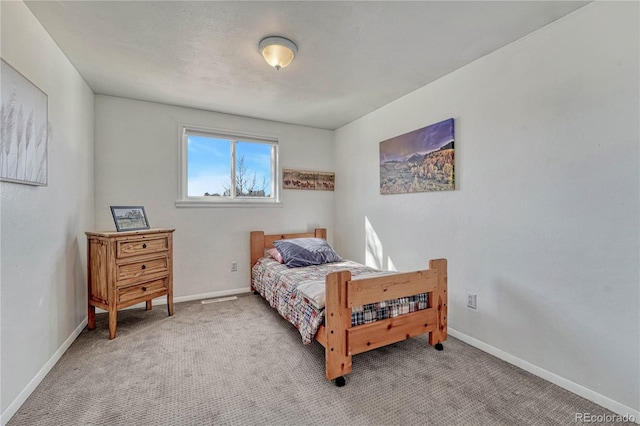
[[129, 218]]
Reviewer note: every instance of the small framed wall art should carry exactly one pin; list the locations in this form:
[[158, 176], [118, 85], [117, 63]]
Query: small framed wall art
[[129, 218], [301, 179]]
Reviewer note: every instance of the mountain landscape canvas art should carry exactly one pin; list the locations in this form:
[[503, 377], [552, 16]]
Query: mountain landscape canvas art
[[419, 161]]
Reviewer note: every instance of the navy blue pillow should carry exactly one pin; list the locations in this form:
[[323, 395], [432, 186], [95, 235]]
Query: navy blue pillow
[[298, 252]]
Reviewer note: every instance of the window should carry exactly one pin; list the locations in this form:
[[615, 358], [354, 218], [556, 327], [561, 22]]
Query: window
[[227, 168]]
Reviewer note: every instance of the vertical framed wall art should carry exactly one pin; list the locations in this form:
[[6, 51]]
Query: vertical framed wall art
[[25, 132], [419, 161]]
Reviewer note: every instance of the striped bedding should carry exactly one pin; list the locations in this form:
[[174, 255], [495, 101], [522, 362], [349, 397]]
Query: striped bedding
[[278, 285]]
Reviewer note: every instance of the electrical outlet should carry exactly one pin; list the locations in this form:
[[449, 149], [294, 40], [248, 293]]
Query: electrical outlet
[[234, 266], [472, 301]]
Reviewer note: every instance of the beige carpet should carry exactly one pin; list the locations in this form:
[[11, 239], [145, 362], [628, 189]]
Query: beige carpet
[[239, 363]]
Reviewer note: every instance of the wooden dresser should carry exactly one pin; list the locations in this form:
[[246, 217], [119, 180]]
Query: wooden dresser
[[126, 268]]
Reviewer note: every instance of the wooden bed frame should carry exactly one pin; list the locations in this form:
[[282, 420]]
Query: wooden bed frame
[[340, 340]]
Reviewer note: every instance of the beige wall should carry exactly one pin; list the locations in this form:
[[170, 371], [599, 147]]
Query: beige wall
[[43, 250], [137, 164], [543, 225]]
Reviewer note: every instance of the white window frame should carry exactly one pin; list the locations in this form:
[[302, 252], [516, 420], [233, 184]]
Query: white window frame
[[184, 200]]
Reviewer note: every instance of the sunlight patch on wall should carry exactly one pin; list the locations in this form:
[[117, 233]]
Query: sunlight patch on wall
[[390, 265], [373, 246]]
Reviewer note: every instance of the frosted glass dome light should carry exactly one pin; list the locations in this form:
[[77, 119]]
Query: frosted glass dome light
[[277, 51]]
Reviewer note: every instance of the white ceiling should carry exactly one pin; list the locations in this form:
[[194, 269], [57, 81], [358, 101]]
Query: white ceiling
[[353, 57]]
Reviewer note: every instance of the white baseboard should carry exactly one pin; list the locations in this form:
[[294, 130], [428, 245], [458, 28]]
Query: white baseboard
[[211, 295], [163, 300], [33, 384], [579, 390]]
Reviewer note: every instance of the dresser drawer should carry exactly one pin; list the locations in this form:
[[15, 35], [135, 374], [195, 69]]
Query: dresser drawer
[[127, 271], [142, 246], [143, 291]]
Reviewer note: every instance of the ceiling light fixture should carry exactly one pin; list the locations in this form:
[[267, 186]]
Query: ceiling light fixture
[[277, 51]]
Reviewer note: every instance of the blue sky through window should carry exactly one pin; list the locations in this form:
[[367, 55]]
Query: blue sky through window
[[209, 164]]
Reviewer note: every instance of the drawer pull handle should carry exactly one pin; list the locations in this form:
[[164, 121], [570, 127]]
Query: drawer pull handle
[[144, 246], [144, 289], [144, 266]]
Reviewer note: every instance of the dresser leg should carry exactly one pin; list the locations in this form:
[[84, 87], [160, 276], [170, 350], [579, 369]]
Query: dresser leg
[[113, 321], [170, 304], [91, 322], [148, 305]]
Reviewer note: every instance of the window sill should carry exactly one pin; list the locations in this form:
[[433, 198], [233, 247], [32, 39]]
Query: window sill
[[234, 203]]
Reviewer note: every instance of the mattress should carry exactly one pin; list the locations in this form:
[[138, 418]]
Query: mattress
[[293, 292]]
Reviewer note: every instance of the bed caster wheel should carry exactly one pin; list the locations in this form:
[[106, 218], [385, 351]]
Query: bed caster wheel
[[439, 347], [340, 382]]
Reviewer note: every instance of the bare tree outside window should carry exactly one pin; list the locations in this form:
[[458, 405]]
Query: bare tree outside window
[[247, 182]]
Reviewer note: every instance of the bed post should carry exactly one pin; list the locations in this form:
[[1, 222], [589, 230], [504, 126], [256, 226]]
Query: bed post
[[321, 233], [257, 251], [439, 301], [337, 321]]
